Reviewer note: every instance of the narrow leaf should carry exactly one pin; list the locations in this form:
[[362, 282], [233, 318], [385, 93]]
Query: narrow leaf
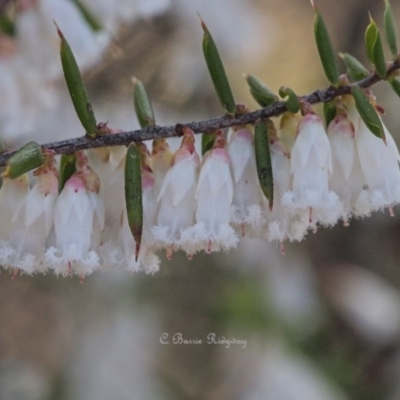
[[292, 103], [329, 112], [367, 112], [76, 88], [373, 44], [26, 159], [370, 38], [261, 93], [207, 142], [88, 16], [325, 48], [67, 169], [390, 29], [263, 161], [395, 84], [217, 72], [379, 56], [133, 194], [355, 70], [143, 108]]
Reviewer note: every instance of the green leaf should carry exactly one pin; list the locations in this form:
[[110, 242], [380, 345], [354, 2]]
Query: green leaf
[[133, 194], [207, 142], [26, 159], [367, 112], [325, 48], [88, 16], [261, 93], [67, 169], [373, 44], [370, 37], [355, 69], [329, 112], [263, 161], [217, 72], [292, 103], [7, 25], [143, 108], [390, 29], [379, 57], [76, 88], [395, 84]]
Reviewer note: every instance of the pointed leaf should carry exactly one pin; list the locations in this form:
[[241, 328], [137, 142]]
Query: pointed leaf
[[367, 112], [325, 48], [133, 194], [355, 69], [292, 103], [261, 93], [370, 38], [26, 159], [263, 161], [373, 44], [207, 142], [76, 88], [379, 57], [217, 72], [67, 169], [88, 16], [390, 29], [329, 112], [143, 108]]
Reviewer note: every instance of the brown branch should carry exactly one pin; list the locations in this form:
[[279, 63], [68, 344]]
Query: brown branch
[[155, 132], [3, 4]]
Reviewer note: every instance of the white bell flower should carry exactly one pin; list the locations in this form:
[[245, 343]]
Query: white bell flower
[[347, 179], [247, 205], [122, 252], [92, 185], [73, 226], [147, 261], [108, 163], [176, 197], [311, 166], [214, 195], [13, 195], [34, 222], [380, 166], [161, 158]]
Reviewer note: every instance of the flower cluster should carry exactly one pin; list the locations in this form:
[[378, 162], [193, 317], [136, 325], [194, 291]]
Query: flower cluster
[[197, 205]]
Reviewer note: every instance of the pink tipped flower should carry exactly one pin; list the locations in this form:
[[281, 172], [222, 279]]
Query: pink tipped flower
[[73, 226], [214, 195], [161, 158], [33, 224], [176, 197], [92, 185], [247, 215], [311, 166]]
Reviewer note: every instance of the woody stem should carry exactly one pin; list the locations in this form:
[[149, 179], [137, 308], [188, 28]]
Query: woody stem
[[157, 132]]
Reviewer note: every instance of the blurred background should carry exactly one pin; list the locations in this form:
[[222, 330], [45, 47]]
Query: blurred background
[[319, 323]]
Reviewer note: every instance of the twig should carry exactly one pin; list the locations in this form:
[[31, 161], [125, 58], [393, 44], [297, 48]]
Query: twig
[[3, 4], [156, 132]]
